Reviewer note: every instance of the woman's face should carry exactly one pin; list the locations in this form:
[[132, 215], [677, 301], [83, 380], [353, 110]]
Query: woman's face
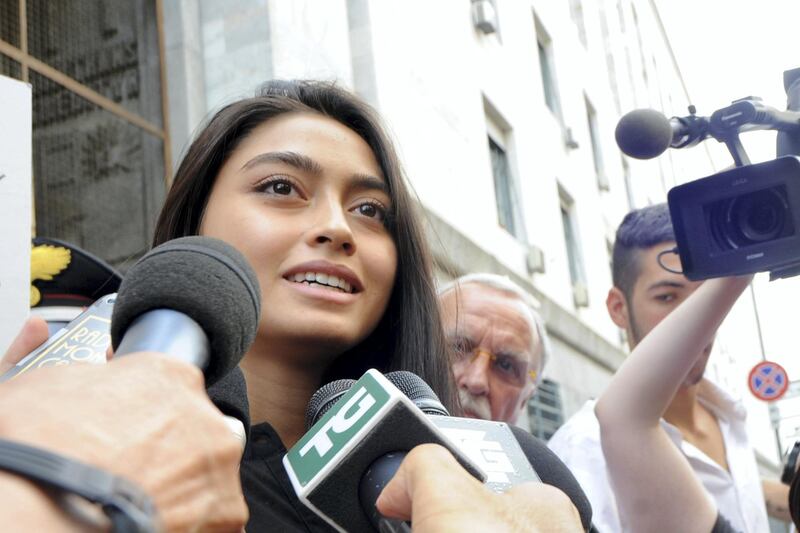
[[304, 199]]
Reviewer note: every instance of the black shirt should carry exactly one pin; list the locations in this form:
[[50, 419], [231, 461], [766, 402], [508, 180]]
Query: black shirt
[[270, 496]]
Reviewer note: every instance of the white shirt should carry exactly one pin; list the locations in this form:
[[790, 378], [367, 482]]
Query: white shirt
[[738, 493]]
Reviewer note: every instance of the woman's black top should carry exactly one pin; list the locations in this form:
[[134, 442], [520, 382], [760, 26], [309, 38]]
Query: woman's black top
[[270, 496]]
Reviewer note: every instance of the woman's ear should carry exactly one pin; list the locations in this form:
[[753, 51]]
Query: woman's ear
[[617, 306]]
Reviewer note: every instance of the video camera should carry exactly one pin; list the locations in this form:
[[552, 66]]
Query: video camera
[[738, 221]]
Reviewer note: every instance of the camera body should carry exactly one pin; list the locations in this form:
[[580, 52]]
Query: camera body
[[740, 221]]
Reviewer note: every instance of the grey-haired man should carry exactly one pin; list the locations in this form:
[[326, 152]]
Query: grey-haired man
[[498, 341]]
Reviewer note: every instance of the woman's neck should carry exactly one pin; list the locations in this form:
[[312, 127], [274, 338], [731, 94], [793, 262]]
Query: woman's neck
[[278, 391]]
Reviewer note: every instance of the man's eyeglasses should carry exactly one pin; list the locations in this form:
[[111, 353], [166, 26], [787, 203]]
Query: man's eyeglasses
[[505, 367]]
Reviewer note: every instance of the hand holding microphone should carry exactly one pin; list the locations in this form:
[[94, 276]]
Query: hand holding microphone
[[451, 500], [193, 300], [198, 300], [147, 419], [361, 431]]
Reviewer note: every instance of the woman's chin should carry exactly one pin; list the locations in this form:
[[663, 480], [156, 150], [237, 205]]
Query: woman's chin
[[318, 339], [315, 328]]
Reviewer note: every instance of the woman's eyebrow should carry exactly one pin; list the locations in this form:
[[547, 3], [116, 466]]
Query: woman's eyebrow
[[306, 164], [293, 159], [368, 182]]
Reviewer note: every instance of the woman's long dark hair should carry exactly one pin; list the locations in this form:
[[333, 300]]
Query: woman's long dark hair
[[409, 336]]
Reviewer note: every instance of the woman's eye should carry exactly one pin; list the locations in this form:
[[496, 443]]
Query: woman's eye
[[279, 187], [371, 210]]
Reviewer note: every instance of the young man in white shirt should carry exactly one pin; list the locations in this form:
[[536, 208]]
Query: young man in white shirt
[[702, 419]]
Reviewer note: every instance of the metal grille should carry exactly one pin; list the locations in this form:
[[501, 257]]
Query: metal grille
[[111, 46], [98, 179], [98, 154], [545, 410], [9, 67], [9, 21]]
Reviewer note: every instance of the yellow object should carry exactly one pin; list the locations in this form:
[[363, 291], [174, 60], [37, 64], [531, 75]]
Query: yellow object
[[47, 261]]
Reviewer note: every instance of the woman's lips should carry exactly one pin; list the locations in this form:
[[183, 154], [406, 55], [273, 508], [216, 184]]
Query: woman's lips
[[337, 277], [320, 292]]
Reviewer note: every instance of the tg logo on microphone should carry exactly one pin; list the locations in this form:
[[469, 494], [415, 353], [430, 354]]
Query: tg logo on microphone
[[343, 420], [340, 429]]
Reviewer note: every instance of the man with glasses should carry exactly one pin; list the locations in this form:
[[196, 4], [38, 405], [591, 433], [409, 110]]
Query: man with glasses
[[498, 342]]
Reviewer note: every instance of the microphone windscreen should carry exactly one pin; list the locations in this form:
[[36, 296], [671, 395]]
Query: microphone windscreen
[[643, 133], [206, 279], [325, 398], [419, 392], [229, 394], [553, 471]]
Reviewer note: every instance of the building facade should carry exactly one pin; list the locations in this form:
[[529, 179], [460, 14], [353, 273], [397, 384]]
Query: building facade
[[503, 110]]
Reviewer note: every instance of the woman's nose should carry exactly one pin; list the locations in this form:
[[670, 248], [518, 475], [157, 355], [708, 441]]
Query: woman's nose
[[332, 228]]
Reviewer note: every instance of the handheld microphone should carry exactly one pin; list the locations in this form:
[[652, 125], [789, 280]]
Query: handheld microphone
[[194, 298], [371, 422], [509, 455]]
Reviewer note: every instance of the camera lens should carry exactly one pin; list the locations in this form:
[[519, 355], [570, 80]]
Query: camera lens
[[755, 217]]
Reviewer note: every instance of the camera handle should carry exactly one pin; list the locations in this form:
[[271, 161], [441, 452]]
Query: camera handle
[[748, 114]]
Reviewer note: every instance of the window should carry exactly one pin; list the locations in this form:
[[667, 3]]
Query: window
[[626, 175], [621, 15], [509, 211], [642, 60], [545, 410], [611, 64], [484, 17], [576, 12], [574, 256], [597, 154], [544, 46]]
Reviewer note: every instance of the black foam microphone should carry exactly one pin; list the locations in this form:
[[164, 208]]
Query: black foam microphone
[[229, 395], [325, 398], [194, 298], [503, 452], [646, 133]]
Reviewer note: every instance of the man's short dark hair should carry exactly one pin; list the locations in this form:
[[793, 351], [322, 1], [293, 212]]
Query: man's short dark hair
[[639, 230]]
